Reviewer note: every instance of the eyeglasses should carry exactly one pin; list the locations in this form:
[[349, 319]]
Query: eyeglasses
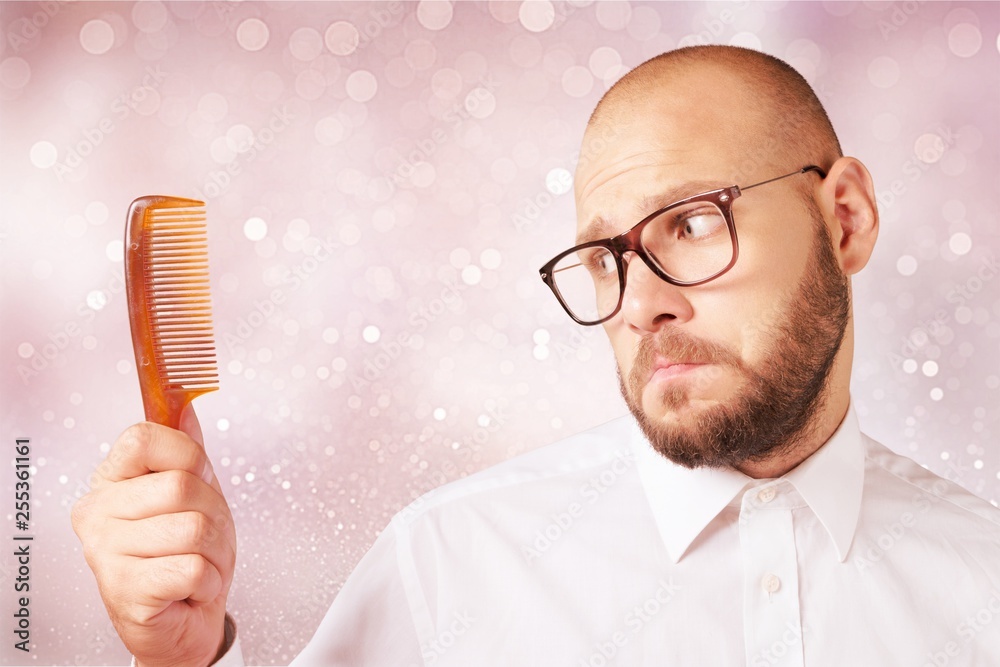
[[686, 243]]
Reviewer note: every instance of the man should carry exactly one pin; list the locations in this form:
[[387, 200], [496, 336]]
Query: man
[[739, 518]]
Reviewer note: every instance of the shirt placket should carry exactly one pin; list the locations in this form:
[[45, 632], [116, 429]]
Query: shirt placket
[[771, 618]]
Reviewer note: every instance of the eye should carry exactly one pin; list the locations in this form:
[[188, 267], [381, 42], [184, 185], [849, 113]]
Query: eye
[[699, 224], [600, 262]]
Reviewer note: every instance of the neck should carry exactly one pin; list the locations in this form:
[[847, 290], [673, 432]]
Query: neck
[[821, 428]]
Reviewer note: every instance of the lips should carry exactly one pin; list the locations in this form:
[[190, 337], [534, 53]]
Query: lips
[[665, 369]]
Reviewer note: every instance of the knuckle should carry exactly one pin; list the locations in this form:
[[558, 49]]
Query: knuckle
[[134, 440], [195, 567], [177, 484]]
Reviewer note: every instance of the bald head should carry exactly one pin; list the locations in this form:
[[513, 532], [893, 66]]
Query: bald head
[[779, 116]]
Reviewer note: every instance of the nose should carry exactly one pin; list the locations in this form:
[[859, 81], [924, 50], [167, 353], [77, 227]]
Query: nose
[[649, 303]]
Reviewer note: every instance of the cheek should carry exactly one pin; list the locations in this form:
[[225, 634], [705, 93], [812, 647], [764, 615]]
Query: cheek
[[623, 343]]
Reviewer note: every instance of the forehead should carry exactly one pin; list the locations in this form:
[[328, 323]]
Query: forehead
[[702, 124]]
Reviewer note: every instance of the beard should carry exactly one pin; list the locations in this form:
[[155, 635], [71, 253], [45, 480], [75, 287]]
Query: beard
[[773, 410]]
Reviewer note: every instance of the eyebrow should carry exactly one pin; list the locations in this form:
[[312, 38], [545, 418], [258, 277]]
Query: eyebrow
[[602, 228]]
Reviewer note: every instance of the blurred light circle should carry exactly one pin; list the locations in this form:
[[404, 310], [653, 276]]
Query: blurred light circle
[[420, 53], [239, 138], [747, 40], [603, 60], [96, 213], [252, 34], [577, 81], [342, 38], [910, 366], [644, 24], [965, 40], [480, 103], [613, 15], [310, 84], [255, 229], [305, 44], [504, 11], [399, 73], [213, 107], [930, 368], [906, 265], [361, 86], [883, 72], [43, 154], [97, 299], [221, 151], [536, 15], [960, 243], [115, 250], [446, 83], [329, 131], [929, 147], [559, 181], [149, 16], [423, 174], [490, 258], [25, 350], [434, 14], [15, 73], [371, 334], [97, 37], [471, 275]]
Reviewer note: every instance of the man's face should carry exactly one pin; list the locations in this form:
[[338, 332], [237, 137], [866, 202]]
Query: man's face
[[734, 369]]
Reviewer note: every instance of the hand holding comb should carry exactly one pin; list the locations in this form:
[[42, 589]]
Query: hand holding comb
[[169, 306]]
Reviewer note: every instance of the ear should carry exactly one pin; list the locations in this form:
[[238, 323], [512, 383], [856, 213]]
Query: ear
[[847, 200]]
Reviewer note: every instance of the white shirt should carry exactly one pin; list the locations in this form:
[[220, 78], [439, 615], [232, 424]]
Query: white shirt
[[597, 551]]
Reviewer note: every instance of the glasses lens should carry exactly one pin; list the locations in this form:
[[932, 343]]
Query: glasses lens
[[587, 281], [689, 242]]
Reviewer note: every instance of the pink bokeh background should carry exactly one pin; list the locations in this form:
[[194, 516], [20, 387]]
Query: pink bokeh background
[[383, 181]]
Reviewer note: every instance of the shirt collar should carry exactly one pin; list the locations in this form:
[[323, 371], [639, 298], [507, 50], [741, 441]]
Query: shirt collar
[[685, 501]]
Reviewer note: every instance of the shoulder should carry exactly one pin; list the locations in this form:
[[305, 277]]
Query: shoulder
[[896, 475], [551, 471]]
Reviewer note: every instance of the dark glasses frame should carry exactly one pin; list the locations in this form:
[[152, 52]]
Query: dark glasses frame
[[630, 241]]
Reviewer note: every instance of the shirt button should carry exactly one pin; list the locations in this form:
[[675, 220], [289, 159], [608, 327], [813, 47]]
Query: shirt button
[[766, 494], [770, 583]]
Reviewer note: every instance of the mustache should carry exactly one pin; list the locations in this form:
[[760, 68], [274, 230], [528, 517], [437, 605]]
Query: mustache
[[681, 347]]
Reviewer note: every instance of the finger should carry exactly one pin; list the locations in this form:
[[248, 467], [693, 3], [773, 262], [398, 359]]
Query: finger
[[161, 493], [171, 579], [148, 447], [189, 424], [182, 533]]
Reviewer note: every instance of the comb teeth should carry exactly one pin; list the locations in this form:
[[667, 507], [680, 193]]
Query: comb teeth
[[178, 306]]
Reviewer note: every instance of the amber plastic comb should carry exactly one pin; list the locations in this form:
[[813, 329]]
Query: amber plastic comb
[[169, 306]]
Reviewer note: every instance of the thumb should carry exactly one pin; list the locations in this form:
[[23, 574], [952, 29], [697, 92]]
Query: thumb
[[189, 424]]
